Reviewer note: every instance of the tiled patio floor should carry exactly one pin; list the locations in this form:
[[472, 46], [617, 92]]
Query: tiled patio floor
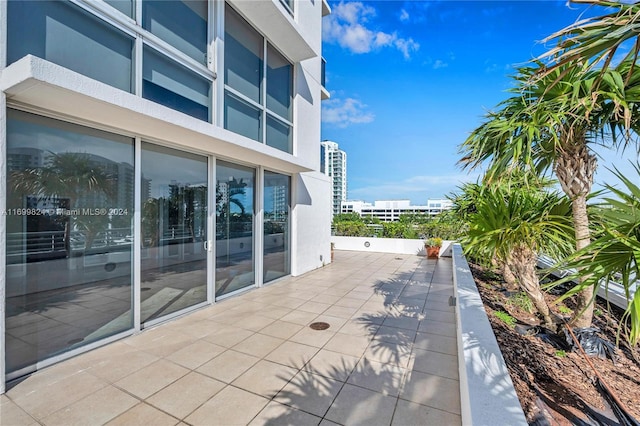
[[388, 357]]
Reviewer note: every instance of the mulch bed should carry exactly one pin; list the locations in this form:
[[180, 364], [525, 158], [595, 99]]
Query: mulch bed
[[556, 387]]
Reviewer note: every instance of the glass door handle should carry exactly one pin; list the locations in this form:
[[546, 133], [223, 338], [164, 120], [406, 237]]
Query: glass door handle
[[207, 246]]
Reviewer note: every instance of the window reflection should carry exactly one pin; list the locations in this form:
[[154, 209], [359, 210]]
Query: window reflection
[[69, 237], [174, 228], [276, 225], [65, 35], [234, 227]]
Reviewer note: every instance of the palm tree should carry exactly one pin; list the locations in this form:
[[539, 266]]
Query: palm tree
[[550, 124], [513, 224], [597, 39], [614, 255]]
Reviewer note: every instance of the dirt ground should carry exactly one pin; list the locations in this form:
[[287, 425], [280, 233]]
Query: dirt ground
[[558, 387]]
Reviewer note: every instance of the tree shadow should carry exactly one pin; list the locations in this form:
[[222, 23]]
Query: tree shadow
[[380, 372]]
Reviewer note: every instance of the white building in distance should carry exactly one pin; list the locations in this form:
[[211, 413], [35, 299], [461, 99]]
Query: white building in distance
[[390, 210], [333, 163]]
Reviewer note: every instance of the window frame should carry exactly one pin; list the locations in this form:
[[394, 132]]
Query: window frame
[[262, 105]]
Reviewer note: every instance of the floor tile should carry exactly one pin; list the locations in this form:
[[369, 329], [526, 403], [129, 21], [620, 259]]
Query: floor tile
[[434, 391], [258, 345], [228, 336], [309, 392], [196, 354], [358, 406], [186, 394], [230, 406], [348, 345], [388, 353], [437, 327], [317, 338], [386, 379], [410, 413], [228, 365], [143, 415], [340, 311], [152, 378], [436, 343], [449, 317], [97, 408], [281, 329], [278, 414], [11, 414], [313, 306], [292, 354], [299, 317], [408, 323], [40, 401], [354, 327], [265, 378], [434, 363], [331, 364]]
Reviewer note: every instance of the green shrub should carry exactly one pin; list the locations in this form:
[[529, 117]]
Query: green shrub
[[506, 318]]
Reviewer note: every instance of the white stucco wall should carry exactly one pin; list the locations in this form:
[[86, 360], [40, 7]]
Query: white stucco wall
[[387, 245], [311, 219]]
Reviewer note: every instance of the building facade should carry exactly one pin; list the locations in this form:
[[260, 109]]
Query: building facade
[[333, 163], [157, 156], [390, 210]]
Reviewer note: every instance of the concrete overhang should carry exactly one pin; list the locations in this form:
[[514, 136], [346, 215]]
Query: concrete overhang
[[271, 18], [326, 9], [34, 82]]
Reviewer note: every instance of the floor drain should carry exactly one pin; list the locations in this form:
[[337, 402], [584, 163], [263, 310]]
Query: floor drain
[[319, 326]]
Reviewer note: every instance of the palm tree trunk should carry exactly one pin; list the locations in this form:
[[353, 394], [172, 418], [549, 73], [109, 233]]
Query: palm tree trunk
[[583, 315], [574, 168], [522, 263]]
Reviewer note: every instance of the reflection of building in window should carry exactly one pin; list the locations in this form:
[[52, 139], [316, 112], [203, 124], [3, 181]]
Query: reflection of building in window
[[390, 210]]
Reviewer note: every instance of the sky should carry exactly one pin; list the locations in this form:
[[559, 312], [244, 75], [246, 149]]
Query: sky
[[409, 80]]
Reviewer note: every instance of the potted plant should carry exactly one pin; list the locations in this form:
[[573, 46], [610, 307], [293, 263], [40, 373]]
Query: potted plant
[[432, 246]]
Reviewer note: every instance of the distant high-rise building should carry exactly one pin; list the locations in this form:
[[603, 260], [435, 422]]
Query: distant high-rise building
[[333, 163]]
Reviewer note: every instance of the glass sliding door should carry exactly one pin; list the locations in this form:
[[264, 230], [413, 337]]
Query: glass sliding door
[[276, 262], [174, 230], [69, 237], [235, 264]]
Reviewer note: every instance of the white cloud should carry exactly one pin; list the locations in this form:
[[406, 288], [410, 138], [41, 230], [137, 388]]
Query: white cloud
[[439, 63], [404, 16], [347, 26], [343, 113]]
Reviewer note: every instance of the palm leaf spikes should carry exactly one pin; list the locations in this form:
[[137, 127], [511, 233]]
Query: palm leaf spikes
[[596, 40]]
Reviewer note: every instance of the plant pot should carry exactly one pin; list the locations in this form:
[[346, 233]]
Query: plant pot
[[433, 252]]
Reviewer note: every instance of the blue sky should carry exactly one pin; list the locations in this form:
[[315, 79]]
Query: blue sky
[[409, 80]]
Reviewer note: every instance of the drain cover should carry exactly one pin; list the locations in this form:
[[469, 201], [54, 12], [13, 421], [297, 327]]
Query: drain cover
[[319, 326]]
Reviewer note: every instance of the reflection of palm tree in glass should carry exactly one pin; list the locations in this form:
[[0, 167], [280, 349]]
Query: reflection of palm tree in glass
[[235, 188], [68, 177]]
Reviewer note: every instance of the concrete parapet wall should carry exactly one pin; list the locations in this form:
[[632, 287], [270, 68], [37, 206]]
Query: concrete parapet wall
[[387, 245], [487, 395]]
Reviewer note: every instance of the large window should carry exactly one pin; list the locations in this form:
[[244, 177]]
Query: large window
[[171, 84], [64, 34], [174, 229], [258, 101], [183, 24], [235, 265], [276, 263], [69, 237]]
